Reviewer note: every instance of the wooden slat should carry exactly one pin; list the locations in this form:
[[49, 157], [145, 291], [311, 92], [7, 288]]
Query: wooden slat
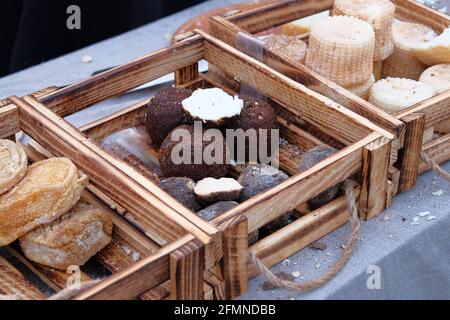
[[438, 150], [271, 204], [186, 74], [374, 185], [123, 78], [272, 15], [345, 125], [235, 249], [393, 184], [9, 121], [186, 272], [297, 235], [15, 285], [410, 155], [142, 276], [217, 284], [410, 10], [127, 118], [434, 109], [55, 279]]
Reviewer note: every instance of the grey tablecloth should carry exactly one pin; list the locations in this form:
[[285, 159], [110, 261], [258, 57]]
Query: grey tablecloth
[[411, 258]]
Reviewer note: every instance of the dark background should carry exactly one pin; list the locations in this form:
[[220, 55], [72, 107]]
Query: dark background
[[33, 31]]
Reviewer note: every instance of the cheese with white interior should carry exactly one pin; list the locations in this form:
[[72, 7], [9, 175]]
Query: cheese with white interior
[[212, 104]]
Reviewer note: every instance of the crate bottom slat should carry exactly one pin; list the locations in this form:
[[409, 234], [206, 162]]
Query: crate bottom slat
[[299, 234], [14, 285]]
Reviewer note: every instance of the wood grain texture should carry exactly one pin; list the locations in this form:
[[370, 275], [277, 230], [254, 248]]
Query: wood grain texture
[[410, 154], [235, 253], [202, 21], [186, 74], [393, 185], [55, 279], [186, 272], [9, 121], [300, 233], [434, 109], [162, 218], [374, 185], [15, 285], [271, 15], [123, 78], [137, 279], [190, 221], [413, 11]]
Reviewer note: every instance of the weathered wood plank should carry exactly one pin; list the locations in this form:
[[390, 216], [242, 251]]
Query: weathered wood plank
[[126, 77], [186, 272], [410, 154], [139, 278], [15, 285], [9, 121], [374, 185]]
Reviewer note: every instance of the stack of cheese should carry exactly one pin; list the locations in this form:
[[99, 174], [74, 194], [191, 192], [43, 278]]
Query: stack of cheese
[[40, 206], [362, 42], [341, 48]]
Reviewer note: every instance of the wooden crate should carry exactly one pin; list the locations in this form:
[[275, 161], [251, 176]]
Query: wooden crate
[[132, 266], [241, 28], [364, 151]]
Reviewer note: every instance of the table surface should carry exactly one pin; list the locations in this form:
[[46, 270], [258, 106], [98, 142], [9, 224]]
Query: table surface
[[412, 259]]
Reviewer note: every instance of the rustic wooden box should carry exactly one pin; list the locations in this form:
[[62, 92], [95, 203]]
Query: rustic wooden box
[[133, 266], [364, 150], [240, 28]]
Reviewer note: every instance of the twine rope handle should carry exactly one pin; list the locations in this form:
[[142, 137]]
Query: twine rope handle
[[340, 263], [434, 166]]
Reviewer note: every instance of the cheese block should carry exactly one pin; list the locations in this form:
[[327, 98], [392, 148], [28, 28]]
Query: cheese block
[[395, 94], [435, 51], [438, 77], [363, 90], [49, 189], [341, 49], [304, 25], [291, 46], [69, 240], [403, 62], [13, 164], [380, 15]]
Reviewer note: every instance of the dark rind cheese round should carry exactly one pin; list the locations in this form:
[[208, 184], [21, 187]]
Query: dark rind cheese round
[[182, 189], [255, 115], [310, 159], [165, 112], [190, 170]]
